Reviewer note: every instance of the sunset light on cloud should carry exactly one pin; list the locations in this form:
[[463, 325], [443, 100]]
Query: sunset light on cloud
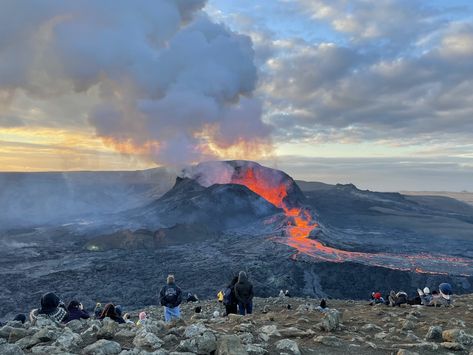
[[374, 93]]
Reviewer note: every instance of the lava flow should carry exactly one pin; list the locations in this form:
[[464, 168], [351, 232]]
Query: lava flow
[[302, 223], [276, 193]]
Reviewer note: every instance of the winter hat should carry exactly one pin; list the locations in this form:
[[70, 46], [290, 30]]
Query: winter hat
[[142, 316], [445, 290], [49, 302], [426, 290]]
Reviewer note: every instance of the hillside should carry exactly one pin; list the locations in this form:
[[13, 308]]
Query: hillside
[[278, 326]]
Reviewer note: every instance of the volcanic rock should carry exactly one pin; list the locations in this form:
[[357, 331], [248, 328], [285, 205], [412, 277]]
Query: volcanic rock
[[230, 345], [434, 333], [331, 320], [289, 346], [102, 347]]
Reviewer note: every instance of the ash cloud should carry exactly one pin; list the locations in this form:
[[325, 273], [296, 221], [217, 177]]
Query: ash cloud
[[165, 79]]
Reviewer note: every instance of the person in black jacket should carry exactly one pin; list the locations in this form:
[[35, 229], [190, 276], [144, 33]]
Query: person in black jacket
[[244, 294], [170, 298], [229, 298], [76, 311]]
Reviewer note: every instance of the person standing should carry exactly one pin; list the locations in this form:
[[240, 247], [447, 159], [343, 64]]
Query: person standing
[[244, 294], [229, 299], [170, 298]]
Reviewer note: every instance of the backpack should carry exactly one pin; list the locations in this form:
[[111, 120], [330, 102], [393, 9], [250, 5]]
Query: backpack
[[170, 295], [227, 296]]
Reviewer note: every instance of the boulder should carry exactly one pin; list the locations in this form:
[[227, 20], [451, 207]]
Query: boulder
[[408, 325], [230, 345], [12, 334], [292, 332], [328, 340], [289, 346], [194, 329], [124, 335], [102, 347], [457, 336], [68, 340], [46, 334], [201, 344], [147, 341], [108, 330], [331, 320], [268, 331], [255, 350], [10, 349], [452, 346], [246, 338], [75, 325], [434, 333], [90, 334]]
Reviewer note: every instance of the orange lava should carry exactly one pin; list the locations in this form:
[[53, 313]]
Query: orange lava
[[301, 224], [274, 192]]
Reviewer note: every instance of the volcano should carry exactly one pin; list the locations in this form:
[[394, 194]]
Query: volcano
[[218, 218], [245, 198]]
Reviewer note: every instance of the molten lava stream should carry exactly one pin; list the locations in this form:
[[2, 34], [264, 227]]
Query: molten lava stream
[[302, 224]]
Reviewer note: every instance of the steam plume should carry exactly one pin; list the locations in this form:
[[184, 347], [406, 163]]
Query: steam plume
[[165, 80]]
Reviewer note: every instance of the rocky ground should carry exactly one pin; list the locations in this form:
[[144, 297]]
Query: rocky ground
[[278, 326]]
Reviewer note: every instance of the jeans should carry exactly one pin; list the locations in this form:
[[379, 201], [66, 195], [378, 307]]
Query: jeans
[[171, 313], [245, 307]]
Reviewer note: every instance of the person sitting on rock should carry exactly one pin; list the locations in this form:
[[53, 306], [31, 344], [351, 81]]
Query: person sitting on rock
[[244, 294], [425, 296], [376, 298], [323, 306], [287, 294], [142, 317], [445, 290], [191, 298], [281, 294], [51, 308], [229, 299], [109, 311], [170, 298], [20, 318], [98, 310], [127, 318], [119, 310], [396, 299], [76, 311]]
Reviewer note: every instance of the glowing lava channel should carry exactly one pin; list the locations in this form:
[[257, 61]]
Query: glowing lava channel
[[302, 224]]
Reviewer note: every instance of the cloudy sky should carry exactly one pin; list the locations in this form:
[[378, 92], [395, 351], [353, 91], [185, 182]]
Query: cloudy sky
[[378, 93]]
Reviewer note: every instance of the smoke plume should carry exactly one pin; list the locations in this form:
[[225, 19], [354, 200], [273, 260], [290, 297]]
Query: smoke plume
[[165, 81]]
